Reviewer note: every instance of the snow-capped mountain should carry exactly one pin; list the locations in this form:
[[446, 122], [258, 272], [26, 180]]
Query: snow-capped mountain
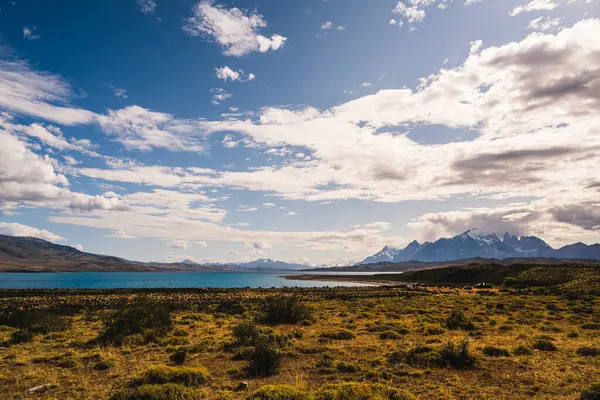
[[267, 263], [386, 254], [475, 243]]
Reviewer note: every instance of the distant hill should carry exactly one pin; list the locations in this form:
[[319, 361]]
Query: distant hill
[[476, 244], [29, 254], [268, 264]]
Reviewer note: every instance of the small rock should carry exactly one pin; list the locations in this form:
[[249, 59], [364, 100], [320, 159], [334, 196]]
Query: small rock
[[242, 386], [39, 389]]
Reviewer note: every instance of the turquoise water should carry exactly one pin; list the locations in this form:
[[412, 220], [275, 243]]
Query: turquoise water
[[113, 280]]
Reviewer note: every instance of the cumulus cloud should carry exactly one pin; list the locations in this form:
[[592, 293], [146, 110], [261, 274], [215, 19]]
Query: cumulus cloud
[[78, 247], [121, 234], [225, 73], [29, 33], [219, 95], [235, 30], [147, 6], [14, 229], [180, 244], [545, 24], [137, 128], [534, 5]]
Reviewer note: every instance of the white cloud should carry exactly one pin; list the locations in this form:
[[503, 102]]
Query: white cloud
[[268, 205], [325, 26], [202, 243], [225, 73], [29, 33], [545, 24], [137, 128], [38, 94], [147, 6], [120, 234], [78, 247], [291, 213], [534, 5], [119, 93], [475, 46], [14, 229], [236, 31], [219, 95], [180, 244]]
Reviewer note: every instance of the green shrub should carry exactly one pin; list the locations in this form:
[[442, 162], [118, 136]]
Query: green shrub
[[588, 351], [591, 393], [265, 361], [495, 351], [180, 332], [161, 374], [338, 334], [178, 357], [231, 308], [423, 357], [246, 333], [544, 345], [457, 320], [347, 367], [325, 362], [168, 391], [104, 364], [390, 335], [279, 392], [67, 362], [591, 326], [399, 328], [285, 310], [35, 321], [522, 351], [21, 336], [143, 317], [457, 355], [434, 330], [245, 353], [176, 341], [361, 391]]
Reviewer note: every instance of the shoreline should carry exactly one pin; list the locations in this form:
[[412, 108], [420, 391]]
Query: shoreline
[[359, 279]]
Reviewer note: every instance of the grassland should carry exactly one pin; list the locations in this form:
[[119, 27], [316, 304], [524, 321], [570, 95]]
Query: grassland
[[322, 344]]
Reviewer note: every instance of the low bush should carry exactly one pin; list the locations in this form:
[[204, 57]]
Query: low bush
[[168, 391], [104, 364], [457, 355], [544, 345], [285, 310], [279, 392], [390, 335], [522, 351], [591, 392], [434, 330], [347, 367], [178, 357], [245, 354], [21, 336], [144, 317], [361, 391], [495, 351], [161, 374], [591, 326], [264, 361], [457, 320], [338, 334], [588, 351]]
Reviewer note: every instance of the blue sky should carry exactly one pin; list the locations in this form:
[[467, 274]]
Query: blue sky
[[308, 130]]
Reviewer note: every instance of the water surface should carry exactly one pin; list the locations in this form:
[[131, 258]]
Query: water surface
[[115, 280]]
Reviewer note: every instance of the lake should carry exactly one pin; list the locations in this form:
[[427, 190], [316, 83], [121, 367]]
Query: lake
[[114, 280]]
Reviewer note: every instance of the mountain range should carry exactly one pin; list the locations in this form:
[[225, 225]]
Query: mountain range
[[29, 254], [476, 244]]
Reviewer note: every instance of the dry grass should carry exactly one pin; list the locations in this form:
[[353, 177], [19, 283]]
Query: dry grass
[[502, 320]]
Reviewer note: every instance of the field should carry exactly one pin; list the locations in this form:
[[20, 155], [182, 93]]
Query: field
[[321, 344]]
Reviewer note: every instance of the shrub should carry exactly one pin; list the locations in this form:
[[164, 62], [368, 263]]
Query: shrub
[[495, 351], [161, 374], [325, 362], [279, 392], [402, 329], [588, 351], [103, 365], [285, 310], [178, 357], [434, 330], [144, 317], [360, 391], [544, 345], [457, 320], [168, 391], [522, 351], [457, 355], [390, 335], [21, 336], [591, 326], [347, 367], [176, 341], [338, 334], [246, 333], [180, 332], [35, 322], [231, 308], [245, 353], [591, 393], [265, 361], [422, 356]]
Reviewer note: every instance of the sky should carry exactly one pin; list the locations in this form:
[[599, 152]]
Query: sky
[[313, 131]]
